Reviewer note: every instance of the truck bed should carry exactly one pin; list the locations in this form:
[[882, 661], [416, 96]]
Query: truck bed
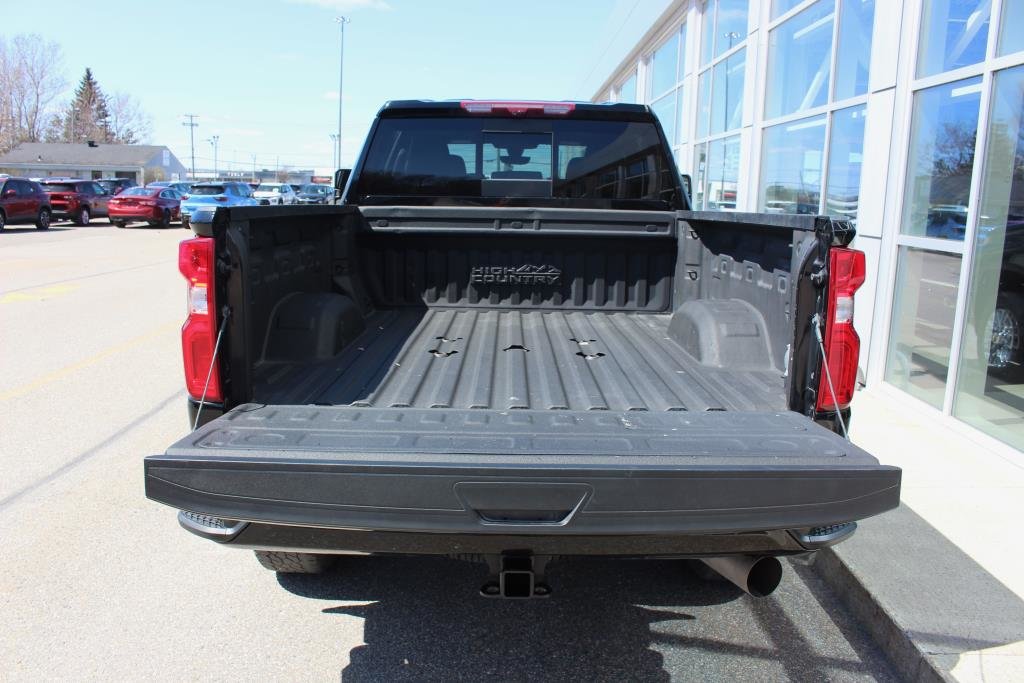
[[505, 360]]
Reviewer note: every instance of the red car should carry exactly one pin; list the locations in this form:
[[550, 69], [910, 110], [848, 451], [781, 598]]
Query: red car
[[79, 200], [155, 205], [23, 201]]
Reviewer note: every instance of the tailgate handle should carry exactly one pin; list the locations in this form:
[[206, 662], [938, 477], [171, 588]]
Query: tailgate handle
[[523, 503]]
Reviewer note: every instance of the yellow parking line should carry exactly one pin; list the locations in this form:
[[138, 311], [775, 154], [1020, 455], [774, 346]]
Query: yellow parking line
[[85, 362], [37, 294]]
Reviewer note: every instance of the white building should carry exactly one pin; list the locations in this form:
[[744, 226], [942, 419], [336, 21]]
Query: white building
[[905, 115]]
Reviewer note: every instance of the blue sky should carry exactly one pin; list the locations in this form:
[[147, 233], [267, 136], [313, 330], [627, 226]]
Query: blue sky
[[263, 75]]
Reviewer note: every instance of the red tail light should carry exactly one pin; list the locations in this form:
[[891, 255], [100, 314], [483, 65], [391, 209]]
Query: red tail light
[[516, 108], [199, 334], [184, 197], [221, 198], [846, 273]]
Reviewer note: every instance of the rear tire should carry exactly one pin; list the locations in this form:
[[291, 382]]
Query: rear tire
[[165, 220], [3, 220], [185, 222], [43, 219], [119, 224], [294, 563], [83, 218]]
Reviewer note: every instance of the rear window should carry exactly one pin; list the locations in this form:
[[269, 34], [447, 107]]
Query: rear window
[[60, 187], [139, 191], [207, 189], [528, 162]]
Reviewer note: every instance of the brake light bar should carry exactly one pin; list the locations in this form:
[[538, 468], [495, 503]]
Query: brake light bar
[[846, 272], [517, 108], [196, 262]]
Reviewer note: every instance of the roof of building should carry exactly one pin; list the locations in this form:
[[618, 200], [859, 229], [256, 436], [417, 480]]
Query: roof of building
[[81, 154]]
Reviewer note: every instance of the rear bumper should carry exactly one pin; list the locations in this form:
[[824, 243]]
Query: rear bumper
[[136, 214]]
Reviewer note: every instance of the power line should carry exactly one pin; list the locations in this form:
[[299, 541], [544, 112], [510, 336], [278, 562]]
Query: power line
[[192, 125], [608, 46]]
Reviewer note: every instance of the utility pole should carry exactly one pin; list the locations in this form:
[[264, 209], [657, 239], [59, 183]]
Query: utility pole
[[214, 139], [334, 151], [254, 168], [341, 79], [192, 125]]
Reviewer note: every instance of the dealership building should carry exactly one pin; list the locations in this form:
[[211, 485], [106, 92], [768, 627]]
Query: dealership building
[[903, 116]]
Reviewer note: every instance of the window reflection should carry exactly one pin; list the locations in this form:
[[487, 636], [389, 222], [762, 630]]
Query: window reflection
[[1011, 36], [954, 33], [627, 91], [725, 26], [717, 169], [800, 53], [921, 333], [941, 160], [791, 170], [990, 389], [853, 56], [844, 162], [727, 93]]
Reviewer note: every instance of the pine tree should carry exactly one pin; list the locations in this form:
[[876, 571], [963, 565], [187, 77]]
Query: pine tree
[[87, 116]]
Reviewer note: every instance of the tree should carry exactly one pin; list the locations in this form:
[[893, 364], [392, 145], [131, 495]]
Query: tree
[[87, 117], [30, 80], [129, 124]]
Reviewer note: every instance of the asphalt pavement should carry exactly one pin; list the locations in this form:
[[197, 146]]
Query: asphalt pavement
[[98, 582]]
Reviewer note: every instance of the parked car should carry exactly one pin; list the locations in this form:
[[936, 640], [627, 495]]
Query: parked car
[[607, 374], [23, 201], [218, 194], [116, 186], [315, 194], [296, 187], [275, 193], [155, 205], [181, 186], [77, 200]]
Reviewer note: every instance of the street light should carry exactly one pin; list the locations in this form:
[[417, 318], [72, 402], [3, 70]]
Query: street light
[[334, 151], [341, 21], [213, 140]]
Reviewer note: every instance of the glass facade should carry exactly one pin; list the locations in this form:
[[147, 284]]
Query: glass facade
[[786, 131]]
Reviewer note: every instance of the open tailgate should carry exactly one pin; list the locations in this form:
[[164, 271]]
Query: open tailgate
[[521, 471]]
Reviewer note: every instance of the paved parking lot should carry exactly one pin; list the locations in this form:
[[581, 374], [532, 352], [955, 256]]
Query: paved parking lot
[[98, 582]]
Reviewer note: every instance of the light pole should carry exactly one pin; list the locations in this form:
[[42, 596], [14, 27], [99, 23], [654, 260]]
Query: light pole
[[191, 124], [341, 79], [254, 168], [214, 139], [334, 151]]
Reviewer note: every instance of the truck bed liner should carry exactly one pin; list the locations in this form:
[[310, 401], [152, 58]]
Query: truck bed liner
[[506, 360]]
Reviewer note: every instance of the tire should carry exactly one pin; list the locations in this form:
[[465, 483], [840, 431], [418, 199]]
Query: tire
[[82, 219], [119, 224], [43, 219], [165, 221], [1006, 346], [294, 563], [184, 222], [3, 220]]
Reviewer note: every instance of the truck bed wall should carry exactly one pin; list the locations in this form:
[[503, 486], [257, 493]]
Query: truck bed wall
[[689, 272]]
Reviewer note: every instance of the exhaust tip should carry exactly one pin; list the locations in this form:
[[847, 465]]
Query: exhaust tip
[[765, 576]]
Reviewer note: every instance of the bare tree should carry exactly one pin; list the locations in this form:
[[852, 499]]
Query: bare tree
[[128, 122], [30, 76]]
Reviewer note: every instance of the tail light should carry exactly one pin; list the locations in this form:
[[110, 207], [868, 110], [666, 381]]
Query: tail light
[[842, 345], [185, 196], [199, 334], [221, 198], [517, 108]]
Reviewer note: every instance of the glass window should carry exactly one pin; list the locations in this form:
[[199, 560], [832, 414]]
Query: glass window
[[941, 160], [664, 63], [1011, 36], [846, 152], [680, 116], [681, 67], [725, 26], [516, 156], [717, 166], [627, 91], [922, 322], [791, 170], [703, 103], [780, 7], [953, 34], [799, 61], [727, 93], [665, 110], [990, 386], [853, 57]]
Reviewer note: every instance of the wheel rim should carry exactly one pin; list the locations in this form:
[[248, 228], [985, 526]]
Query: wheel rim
[[44, 219], [85, 216], [3, 221], [1006, 339]]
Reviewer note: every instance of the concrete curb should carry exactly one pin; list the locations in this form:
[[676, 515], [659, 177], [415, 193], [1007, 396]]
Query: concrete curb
[[909, 660]]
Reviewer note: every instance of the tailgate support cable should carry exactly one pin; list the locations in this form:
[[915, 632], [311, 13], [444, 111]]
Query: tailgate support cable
[[213, 364], [817, 322]]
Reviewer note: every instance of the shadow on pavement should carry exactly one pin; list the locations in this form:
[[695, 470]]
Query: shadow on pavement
[[607, 620]]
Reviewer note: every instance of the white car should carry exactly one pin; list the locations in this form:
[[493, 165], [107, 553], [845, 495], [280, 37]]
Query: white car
[[274, 193]]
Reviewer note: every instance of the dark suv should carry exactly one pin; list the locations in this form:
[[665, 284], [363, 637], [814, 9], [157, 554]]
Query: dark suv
[[78, 200], [23, 201]]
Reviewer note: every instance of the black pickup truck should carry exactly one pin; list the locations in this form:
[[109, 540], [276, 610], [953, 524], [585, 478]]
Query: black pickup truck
[[511, 341]]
